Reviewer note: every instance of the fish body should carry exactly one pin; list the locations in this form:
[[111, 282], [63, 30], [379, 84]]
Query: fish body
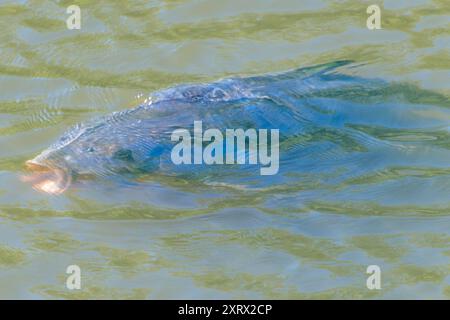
[[302, 104]]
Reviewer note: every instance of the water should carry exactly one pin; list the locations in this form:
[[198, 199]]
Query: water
[[370, 187]]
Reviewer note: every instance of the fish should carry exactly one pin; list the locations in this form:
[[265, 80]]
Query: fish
[[301, 103]]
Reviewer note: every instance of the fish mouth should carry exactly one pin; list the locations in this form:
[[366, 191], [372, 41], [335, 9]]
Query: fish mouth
[[47, 178]]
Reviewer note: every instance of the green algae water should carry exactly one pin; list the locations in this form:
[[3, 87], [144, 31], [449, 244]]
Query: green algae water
[[378, 197]]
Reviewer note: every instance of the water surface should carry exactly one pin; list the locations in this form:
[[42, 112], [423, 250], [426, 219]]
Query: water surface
[[376, 197]]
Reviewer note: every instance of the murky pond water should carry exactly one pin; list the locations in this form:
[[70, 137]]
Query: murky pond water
[[376, 196]]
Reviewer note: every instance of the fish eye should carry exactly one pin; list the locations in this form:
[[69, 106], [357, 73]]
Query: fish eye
[[90, 149]]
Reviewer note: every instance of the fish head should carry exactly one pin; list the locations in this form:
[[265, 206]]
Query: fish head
[[79, 152], [92, 151]]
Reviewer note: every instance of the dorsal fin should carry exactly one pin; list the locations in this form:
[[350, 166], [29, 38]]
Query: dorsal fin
[[300, 73]]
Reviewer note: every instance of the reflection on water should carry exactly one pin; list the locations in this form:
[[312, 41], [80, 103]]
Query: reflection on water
[[371, 182]]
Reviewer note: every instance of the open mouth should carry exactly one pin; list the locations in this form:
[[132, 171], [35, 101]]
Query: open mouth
[[47, 179]]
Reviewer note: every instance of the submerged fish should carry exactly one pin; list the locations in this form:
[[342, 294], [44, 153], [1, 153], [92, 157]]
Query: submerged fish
[[307, 104]]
